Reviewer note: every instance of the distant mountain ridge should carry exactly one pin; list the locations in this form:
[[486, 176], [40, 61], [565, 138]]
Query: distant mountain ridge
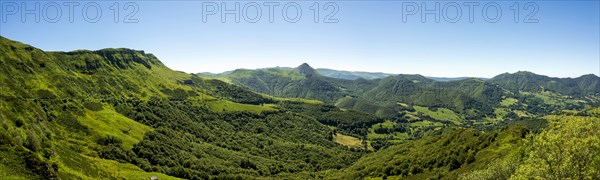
[[454, 78], [352, 75], [380, 95], [530, 82]]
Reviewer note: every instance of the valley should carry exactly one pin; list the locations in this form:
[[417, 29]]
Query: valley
[[123, 114]]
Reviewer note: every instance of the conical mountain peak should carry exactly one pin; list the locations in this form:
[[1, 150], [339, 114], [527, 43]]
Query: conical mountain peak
[[305, 70]]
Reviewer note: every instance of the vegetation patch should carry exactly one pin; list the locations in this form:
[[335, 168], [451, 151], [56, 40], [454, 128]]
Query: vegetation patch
[[442, 114], [221, 105], [508, 102], [349, 141], [108, 122], [113, 168]]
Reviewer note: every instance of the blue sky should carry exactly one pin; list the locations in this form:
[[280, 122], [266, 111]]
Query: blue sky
[[369, 35]]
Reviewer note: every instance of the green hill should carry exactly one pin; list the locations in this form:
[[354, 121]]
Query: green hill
[[530, 82], [472, 98], [300, 82], [121, 113], [377, 96]]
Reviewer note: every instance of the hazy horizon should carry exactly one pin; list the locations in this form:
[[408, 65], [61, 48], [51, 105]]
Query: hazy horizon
[[383, 72]]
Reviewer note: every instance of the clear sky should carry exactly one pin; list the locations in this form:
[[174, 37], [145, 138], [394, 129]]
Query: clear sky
[[379, 36]]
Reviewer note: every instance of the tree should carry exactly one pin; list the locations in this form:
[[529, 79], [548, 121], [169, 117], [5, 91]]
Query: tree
[[570, 148]]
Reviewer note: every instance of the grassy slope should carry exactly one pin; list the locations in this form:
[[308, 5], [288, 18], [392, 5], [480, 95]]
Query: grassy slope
[[108, 122], [42, 115], [123, 170], [508, 102], [442, 114], [349, 141], [12, 164], [74, 152], [231, 106]]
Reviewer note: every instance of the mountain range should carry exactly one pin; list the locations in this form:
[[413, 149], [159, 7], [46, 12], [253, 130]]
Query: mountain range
[[123, 114], [381, 95], [352, 75]]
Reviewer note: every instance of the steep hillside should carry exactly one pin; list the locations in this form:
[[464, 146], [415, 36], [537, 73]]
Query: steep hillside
[[120, 113]]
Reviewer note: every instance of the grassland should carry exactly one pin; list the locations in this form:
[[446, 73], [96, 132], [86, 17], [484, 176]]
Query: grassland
[[442, 114], [108, 122], [302, 100], [231, 106], [349, 141], [123, 170], [508, 102]]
